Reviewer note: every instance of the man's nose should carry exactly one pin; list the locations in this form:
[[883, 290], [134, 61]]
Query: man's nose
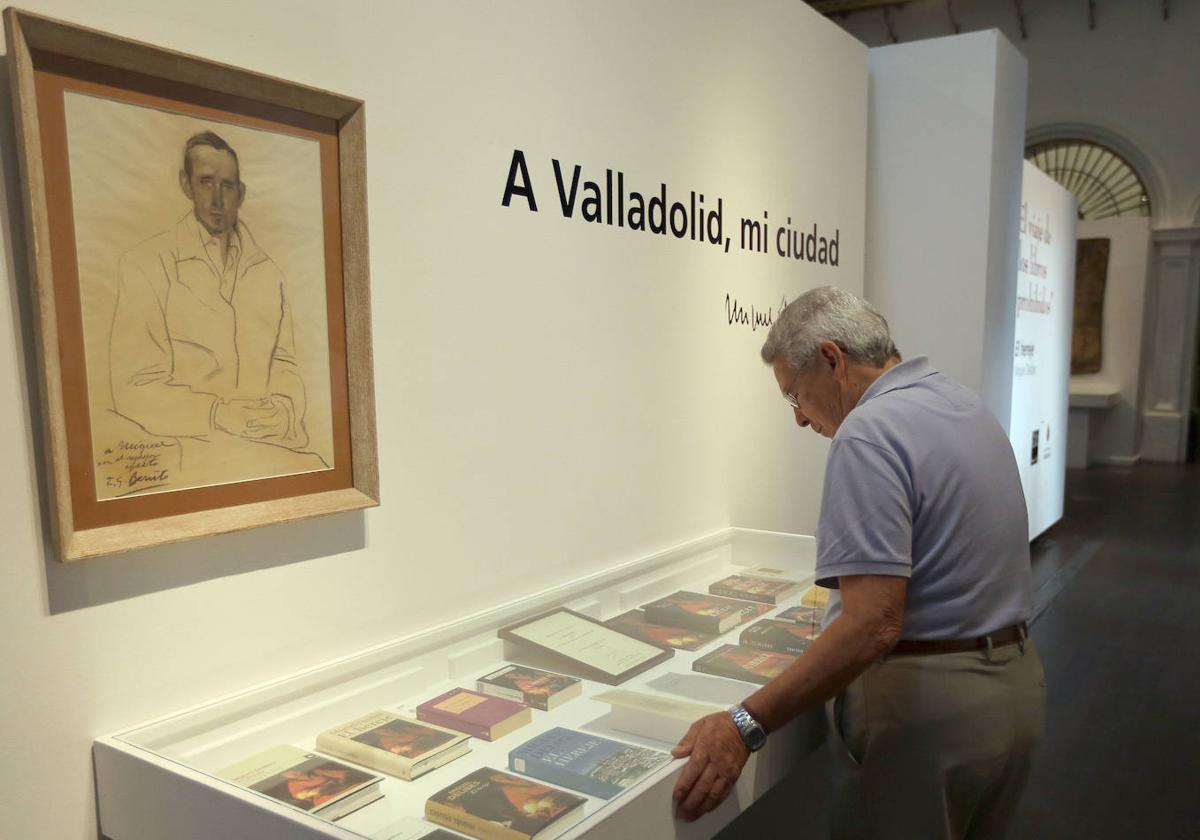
[[801, 420], [218, 198]]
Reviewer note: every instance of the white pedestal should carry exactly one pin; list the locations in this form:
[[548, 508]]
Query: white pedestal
[[1086, 399]]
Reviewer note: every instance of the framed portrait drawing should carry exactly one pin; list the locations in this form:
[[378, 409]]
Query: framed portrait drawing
[[198, 250]]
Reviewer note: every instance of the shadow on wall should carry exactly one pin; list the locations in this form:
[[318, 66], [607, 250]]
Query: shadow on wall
[[103, 580]]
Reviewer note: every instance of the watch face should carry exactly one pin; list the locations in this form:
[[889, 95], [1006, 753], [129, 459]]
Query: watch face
[[756, 738]]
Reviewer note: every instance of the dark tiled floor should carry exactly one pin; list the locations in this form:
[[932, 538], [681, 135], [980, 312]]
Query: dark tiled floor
[[1117, 598], [1121, 757]]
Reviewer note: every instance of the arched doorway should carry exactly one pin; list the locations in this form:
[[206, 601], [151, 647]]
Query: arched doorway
[[1106, 185]]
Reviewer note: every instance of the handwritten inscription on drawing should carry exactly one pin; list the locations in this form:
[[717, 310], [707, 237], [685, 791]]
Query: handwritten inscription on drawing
[[135, 465]]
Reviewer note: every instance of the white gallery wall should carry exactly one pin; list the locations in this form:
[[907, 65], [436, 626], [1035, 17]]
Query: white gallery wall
[[943, 197], [554, 396], [1114, 433], [1044, 307]]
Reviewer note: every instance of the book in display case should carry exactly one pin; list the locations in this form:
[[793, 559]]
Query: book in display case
[[352, 735]]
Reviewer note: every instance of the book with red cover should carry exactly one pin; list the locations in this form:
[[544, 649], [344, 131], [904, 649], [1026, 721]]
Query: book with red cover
[[751, 588], [706, 613], [305, 780], [534, 687], [743, 663], [493, 805], [634, 623], [779, 636], [475, 713]]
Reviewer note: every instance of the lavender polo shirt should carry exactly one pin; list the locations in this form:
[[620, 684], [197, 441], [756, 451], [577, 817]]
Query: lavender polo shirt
[[921, 482]]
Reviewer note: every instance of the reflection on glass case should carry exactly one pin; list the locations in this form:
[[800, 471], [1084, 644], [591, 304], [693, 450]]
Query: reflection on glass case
[[462, 732]]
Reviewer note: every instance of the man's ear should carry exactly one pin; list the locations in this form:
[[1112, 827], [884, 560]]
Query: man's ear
[[185, 183], [830, 354]]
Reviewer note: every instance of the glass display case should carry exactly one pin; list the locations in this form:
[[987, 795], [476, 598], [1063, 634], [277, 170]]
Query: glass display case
[[163, 779]]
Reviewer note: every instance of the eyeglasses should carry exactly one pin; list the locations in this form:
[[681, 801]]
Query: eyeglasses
[[789, 395]]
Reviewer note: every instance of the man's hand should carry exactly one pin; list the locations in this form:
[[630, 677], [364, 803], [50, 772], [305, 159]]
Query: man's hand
[[272, 422], [257, 419], [717, 757]]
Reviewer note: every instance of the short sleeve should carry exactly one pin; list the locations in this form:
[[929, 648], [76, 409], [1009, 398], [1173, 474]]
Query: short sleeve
[[865, 526]]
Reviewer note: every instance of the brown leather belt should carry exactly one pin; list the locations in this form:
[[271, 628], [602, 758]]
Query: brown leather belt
[[1015, 634]]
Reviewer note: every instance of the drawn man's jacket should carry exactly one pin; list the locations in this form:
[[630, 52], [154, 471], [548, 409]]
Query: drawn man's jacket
[[182, 339]]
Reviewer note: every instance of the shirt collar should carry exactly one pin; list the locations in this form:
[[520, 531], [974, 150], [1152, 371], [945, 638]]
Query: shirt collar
[[213, 243], [900, 376], [193, 236]]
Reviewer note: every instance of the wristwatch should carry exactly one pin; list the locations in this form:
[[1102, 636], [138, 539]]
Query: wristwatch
[[752, 732]]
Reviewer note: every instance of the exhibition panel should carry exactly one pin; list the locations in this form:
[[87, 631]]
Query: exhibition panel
[[361, 747], [1042, 347]]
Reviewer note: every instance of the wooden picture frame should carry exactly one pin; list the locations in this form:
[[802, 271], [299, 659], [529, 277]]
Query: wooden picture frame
[[312, 450], [648, 654]]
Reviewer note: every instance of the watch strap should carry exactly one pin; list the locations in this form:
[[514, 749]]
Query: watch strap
[[754, 735]]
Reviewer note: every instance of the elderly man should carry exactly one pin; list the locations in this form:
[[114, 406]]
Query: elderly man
[[934, 693]]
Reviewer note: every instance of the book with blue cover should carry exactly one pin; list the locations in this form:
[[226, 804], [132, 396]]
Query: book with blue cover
[[586, 763]]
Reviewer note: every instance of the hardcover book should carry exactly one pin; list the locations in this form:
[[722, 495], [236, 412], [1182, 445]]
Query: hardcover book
[[779, 636], [393, 744], [306, 781], [475, 713], [586, 763], [750, 588], [493, 805], [743, 663], [803, 615], [634, 623], [532, 686], [707, 613]]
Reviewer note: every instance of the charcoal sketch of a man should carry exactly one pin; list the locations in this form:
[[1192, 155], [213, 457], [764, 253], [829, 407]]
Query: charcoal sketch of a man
[[202, 341]]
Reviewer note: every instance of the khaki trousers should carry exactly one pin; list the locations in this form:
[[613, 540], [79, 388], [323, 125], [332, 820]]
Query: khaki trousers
[[935, 746]]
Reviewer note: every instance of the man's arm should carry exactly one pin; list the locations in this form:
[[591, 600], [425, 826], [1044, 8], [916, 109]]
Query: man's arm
[[868, 627], [286, 385], [140, 357]]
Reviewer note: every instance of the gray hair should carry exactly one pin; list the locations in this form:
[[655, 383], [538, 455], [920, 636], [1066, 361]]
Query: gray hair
[[829, 314]]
